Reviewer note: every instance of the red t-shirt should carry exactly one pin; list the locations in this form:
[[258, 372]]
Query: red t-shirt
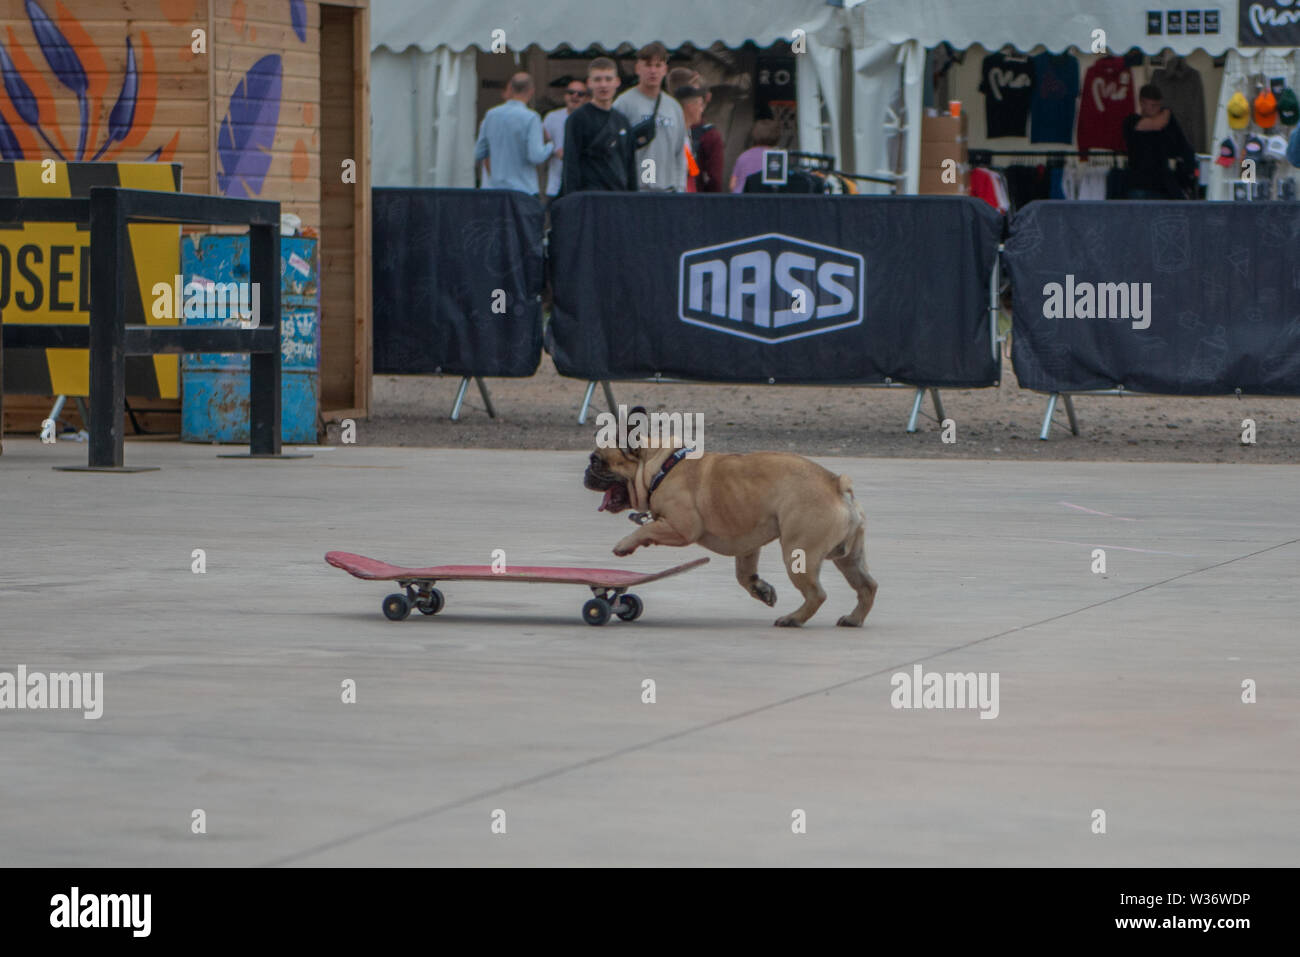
[[1106, 101]]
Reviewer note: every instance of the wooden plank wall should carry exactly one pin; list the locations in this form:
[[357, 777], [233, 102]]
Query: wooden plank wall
[[182, 101]]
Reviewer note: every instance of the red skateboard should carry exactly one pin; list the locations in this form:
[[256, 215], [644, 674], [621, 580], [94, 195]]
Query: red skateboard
[[608, 585]]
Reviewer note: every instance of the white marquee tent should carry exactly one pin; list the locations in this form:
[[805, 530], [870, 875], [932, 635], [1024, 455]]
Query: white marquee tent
[[423, 73]]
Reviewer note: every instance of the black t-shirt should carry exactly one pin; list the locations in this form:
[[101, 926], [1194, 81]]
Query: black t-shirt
[[1008, 87], [1149, 153], [598, 151]]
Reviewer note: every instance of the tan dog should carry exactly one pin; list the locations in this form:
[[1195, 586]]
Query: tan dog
[[736, 504]]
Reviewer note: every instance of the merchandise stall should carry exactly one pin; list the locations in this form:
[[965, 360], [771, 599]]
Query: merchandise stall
[[1043, 85]]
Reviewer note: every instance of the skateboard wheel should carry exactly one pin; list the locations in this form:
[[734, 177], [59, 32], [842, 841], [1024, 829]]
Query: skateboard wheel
[[433, 605], [596, 611], [629, 608], [396, 607]]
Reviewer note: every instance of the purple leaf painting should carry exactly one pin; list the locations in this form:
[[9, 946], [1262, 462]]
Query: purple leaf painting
[[63, 61], [120, 119], [298, 14], [248, 130], [20, 93], [9, 148]]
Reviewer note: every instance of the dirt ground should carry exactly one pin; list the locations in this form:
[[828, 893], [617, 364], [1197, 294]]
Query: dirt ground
[[542, 413]]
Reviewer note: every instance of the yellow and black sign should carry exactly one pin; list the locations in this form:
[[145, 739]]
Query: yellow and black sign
[[45, 276]]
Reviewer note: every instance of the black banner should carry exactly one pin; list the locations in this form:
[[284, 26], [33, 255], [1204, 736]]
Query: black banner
[[794, 289], [457, 276], [1267, 23], [1176, 298]]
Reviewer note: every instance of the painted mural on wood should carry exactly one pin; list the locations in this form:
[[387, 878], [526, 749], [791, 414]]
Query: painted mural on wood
[[74, 66]]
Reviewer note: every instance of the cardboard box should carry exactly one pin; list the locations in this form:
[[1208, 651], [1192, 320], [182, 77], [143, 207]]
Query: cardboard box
[[934, 154], [943, 129], [931, 182]]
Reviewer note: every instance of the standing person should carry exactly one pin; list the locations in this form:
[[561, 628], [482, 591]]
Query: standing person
[[706, 141], [512, 141], [765, 134], [1153, 138], [575, 95], [650, 111], [598, 140]]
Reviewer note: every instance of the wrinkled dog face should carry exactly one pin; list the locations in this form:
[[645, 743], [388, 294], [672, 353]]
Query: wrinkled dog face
[[608, 471]]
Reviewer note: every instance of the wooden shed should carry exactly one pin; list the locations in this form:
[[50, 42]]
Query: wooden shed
[[262, 99]]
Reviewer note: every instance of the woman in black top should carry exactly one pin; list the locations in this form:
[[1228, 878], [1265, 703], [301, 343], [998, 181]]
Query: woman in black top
[[1154, 138]]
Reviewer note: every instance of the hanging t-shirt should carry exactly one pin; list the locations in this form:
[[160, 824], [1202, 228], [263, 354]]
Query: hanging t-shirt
[[1008, 85], [1107, 101], [1056, 87]]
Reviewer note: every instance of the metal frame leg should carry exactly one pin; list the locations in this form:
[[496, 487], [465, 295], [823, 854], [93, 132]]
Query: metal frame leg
[[916, 409], [1047, 417], [460, 398], [609, 396], [938, 405], [586, 402], [1069, 411], [487, 399]]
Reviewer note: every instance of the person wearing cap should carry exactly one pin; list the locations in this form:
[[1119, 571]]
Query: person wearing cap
[[1154, 138]]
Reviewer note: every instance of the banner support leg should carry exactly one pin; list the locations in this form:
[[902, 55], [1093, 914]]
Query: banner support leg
[[460, 398], [586, 402], [1069, 411], [916, 409], [609, 396], [1047, 418], [487, 399], [938, 405]]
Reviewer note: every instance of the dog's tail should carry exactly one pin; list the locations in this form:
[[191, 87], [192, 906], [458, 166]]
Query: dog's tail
[[845, 485]]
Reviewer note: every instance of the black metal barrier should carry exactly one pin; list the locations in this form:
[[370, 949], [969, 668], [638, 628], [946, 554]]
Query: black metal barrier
[[112, 339], [1157, 298]]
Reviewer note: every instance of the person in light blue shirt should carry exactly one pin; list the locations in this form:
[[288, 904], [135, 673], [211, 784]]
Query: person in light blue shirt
[[1293, 148], [512, 142]]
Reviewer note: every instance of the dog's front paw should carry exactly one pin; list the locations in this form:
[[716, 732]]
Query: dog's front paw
[[626, 547], [763, 592], [847, 621], [788, 621]]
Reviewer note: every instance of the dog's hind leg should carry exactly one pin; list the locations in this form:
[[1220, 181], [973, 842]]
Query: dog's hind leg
[[804, 569], [853, 567], [747, 575]]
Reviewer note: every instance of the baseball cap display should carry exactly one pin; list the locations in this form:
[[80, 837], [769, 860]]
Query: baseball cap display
[[1277, 84], [1266, 110], [1238, 111], [1254, 145], [1275, 147], [1227, 153], [1288, 107]]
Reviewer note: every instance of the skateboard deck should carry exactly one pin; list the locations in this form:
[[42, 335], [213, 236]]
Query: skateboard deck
[[607, 584]]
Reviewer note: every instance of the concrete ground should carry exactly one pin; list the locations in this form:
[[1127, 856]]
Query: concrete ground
[[1119, 691]]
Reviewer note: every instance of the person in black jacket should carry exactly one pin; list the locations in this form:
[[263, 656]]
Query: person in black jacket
[[598, 150], [1154, 138]]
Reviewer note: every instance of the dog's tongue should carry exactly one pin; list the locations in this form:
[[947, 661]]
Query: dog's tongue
[[609, 495]]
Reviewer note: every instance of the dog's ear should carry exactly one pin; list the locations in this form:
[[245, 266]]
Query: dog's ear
[[638, 431]]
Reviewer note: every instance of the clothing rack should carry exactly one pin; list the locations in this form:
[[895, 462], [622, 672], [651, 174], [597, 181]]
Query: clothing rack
[[978, 157], [825, 163]]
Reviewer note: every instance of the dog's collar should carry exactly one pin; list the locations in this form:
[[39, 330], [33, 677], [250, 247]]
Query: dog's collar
[[667, 467]]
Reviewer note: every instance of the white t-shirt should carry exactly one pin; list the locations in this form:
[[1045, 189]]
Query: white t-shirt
[[554, 124], [668, 148]]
